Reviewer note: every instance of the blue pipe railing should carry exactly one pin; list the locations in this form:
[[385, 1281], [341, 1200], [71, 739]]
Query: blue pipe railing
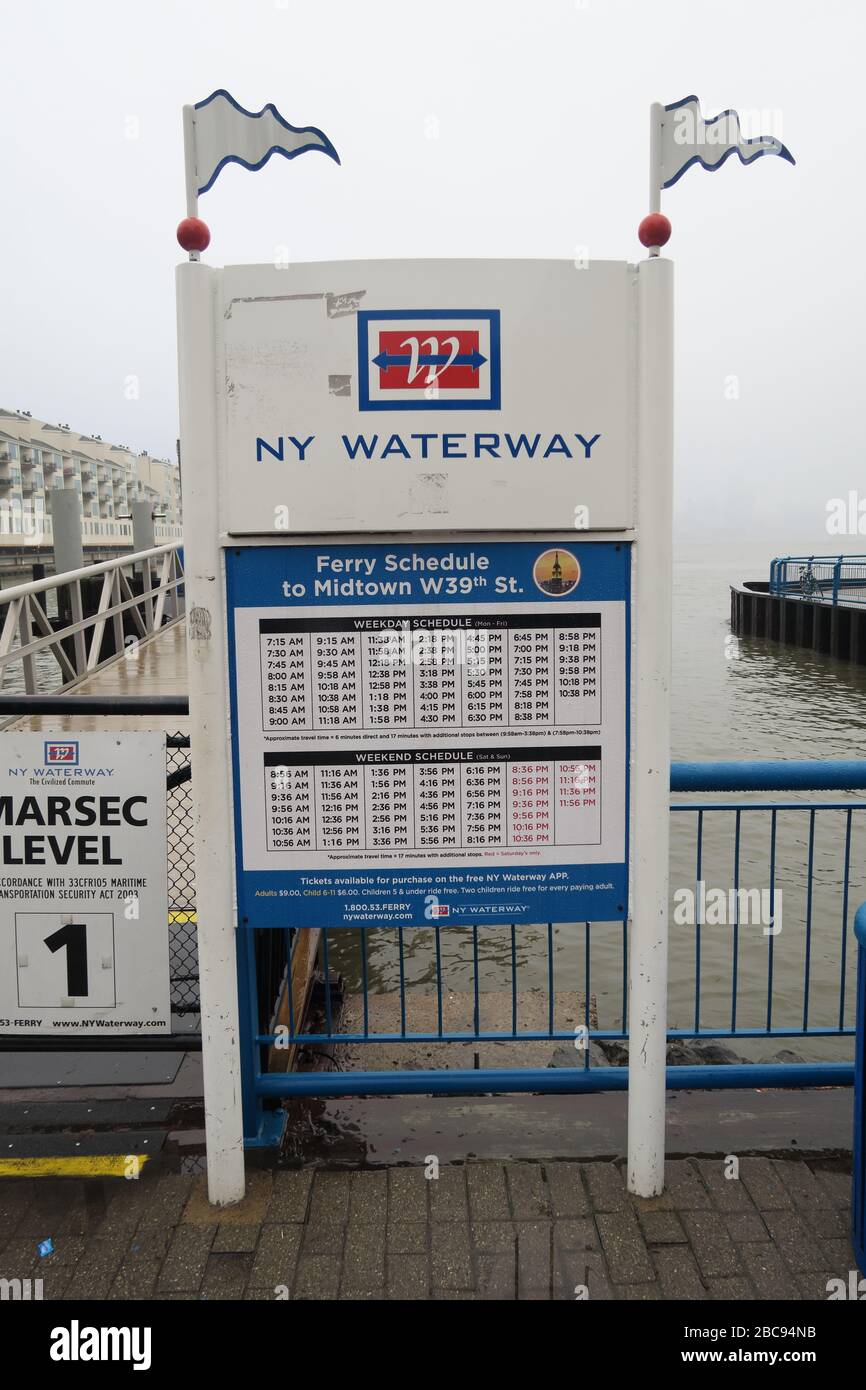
[[797, 983], [781, 774], [858, 1166], [544, 1080], [831, 579]]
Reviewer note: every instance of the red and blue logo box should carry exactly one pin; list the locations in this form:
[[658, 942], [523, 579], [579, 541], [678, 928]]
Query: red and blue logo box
[[65, 753], [428, 359]]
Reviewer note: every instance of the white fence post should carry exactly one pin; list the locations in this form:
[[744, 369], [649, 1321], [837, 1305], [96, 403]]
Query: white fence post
[[648, 980], [209, 739]]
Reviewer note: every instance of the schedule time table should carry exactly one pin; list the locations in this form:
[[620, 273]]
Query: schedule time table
[[499, 671]]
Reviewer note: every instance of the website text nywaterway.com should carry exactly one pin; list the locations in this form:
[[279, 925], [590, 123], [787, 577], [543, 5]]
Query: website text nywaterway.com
[[128, 1025]]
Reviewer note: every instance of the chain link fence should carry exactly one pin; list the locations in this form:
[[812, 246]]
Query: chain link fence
[[272, 948], [182, 934]]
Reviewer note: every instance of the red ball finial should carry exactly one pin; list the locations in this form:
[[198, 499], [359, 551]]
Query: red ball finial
[[193, 234], [654, 230]]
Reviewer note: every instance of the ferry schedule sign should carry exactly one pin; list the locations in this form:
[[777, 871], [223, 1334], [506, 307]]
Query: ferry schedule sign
[[83, 884], [430, 732], [436, 491]]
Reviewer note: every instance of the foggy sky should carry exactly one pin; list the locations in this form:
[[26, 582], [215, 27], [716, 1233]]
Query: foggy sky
[[465, 128]]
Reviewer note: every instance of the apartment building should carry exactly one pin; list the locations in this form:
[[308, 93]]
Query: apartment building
[[37, 457]]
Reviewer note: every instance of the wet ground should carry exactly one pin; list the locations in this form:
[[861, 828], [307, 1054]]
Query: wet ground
[[373, 1131], [776, 1230]]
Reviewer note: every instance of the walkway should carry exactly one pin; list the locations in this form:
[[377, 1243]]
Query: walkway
[[155, 667], [482, 1230]]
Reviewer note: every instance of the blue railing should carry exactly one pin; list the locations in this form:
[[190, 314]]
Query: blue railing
[[858, 1165], [762, 896], [830, 579]]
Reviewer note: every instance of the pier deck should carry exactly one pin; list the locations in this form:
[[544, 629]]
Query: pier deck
[[158, 667], [482, 1230]]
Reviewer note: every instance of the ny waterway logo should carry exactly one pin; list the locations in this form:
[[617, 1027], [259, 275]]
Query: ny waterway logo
[[428, 359], [61, 753], [433, 908]]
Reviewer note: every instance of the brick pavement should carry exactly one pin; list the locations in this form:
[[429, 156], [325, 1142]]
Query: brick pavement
[[483, 1230]]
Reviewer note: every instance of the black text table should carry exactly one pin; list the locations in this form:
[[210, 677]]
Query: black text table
[[414, 799], [504, 671]]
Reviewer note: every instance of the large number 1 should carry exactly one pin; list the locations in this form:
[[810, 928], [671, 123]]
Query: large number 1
[[74, 937]]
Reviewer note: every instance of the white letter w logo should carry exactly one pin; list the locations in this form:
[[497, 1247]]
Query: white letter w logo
[[435, 361]]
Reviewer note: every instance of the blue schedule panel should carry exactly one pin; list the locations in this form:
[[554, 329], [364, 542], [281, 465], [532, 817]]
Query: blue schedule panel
[[428, 732]]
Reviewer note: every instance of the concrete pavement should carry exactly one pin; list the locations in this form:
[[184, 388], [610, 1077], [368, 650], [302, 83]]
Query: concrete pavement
[[521, 1230]]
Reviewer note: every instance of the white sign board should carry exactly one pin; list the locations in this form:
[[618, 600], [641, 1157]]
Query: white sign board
[[83, 885], [366, 396]]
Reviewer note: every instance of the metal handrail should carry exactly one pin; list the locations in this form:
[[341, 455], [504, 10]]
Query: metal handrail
[[53, 581], [839, 579], [772, 774], [77, 658], [755, 1008]]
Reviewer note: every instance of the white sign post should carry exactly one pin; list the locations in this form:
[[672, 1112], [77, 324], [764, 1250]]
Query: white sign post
[[83, 891], [209, 734], [648, 956]]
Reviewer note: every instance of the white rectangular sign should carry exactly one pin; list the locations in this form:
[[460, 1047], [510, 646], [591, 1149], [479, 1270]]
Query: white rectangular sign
[[425, 395], [83, 884]]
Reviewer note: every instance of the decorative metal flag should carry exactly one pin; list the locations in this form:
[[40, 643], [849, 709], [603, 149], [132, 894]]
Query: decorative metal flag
[[218, 132], [679, 138], [685, 138]]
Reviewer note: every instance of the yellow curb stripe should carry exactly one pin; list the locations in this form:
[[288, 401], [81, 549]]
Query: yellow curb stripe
[[181, 917], [79, 1166]]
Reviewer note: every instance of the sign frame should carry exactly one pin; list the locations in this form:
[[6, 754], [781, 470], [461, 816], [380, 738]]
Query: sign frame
[[566, 874], [228, 1026], [297, 431]]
